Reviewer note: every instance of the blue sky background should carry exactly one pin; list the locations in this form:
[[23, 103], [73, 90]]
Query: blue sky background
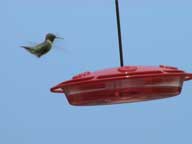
[[154, 32]]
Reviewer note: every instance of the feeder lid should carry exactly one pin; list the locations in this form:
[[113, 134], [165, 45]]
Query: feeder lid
[[124, 72], [127, 72]]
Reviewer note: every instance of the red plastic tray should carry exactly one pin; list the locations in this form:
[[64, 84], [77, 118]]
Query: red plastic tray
[[123, 85]]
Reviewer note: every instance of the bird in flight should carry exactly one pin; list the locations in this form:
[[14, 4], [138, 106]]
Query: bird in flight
[[44, 47]]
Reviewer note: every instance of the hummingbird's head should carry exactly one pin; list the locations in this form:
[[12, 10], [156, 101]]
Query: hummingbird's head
[[51, 37]]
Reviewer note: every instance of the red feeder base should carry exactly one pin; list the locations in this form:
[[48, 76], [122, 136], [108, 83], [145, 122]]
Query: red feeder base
[[123, 85]]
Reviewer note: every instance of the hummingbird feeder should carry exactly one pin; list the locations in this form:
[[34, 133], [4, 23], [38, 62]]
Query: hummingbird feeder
[[123, 84]]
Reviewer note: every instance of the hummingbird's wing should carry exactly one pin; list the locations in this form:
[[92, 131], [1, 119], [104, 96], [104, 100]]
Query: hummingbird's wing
[[32, 43]]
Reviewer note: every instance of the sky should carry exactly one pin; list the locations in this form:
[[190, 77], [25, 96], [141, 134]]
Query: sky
[[154, 32]]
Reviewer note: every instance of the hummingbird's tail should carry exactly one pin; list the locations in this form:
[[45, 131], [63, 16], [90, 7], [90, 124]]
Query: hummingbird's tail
[[29, 49]]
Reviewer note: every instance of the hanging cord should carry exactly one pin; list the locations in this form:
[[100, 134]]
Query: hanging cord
[[119, 33]]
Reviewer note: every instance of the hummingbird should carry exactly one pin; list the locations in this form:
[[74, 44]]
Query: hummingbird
[[44, 47]]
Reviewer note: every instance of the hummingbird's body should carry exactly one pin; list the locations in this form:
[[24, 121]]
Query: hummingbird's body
[[43, 47]]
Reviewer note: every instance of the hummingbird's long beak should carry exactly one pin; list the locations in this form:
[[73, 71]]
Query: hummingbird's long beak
[[59, 38]]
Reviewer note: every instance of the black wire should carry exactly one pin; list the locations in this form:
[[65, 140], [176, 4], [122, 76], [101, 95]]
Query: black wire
[[119, 32]]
